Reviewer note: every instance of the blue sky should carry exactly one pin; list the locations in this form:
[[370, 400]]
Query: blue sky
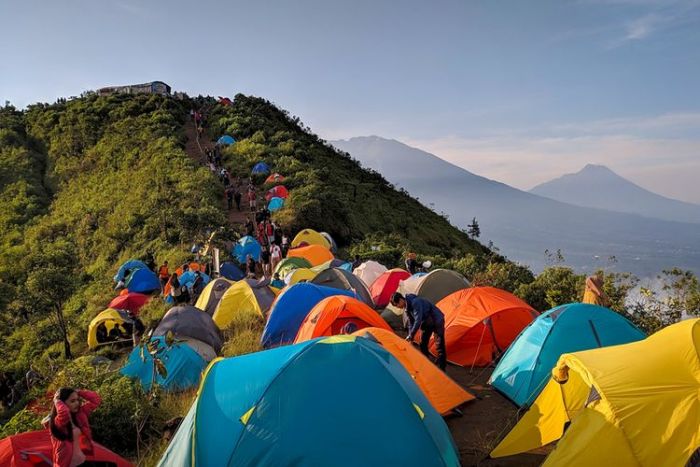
[[516, 91]]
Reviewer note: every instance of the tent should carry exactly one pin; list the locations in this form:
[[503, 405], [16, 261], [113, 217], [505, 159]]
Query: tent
[[480, 323], [288, 264], [525, 368], [130, 301], [183, 366], [385, 285], [314, 254], [635, 404], [246, 246], [188, 277], [341, 279], [187, 321], [130, 265], [225, 140], [348, 394], [333, 246], [299, 275], [109, 326], [211, 295], [439, 388], [334, 263], [245, 296], [142, 281], [331, 314], [290, 309], [310, 237], [230, 271], [275, 204], [278, 191], [261, 168], [435, 285], [274, 178], [33, 449], [369, 271], [225, 101]]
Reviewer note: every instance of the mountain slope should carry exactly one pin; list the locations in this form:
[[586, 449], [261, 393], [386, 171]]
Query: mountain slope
[[522, 224], [597, 186]]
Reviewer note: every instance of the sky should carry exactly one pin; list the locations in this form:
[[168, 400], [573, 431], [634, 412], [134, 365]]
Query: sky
[[517, 91]]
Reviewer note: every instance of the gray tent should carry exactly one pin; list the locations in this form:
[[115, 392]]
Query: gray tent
[[344, 280], [435, 285], [187, 321], [211, 295]]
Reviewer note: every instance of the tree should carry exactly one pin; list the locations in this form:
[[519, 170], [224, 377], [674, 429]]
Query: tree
[[473, 229]]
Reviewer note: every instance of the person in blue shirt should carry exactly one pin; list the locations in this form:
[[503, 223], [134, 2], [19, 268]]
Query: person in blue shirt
[[277, 282], [429, 319]]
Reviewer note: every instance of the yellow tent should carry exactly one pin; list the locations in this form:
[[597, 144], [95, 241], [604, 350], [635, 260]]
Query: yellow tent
[[244, 296], [310, 237], [301, 274], [212, 294], [636, 404], [109, 326]]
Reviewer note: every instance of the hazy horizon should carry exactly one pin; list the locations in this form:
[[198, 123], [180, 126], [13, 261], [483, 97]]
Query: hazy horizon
[[511, 92]]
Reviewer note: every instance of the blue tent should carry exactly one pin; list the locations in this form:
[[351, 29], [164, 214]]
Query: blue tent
[[290, 309], [246, 246], [525, 367], [188, 277], [226, 140], [261, 168], [183, 364], [230, 271], [142, 281], [275, 204], [130, 265], [348, 394]]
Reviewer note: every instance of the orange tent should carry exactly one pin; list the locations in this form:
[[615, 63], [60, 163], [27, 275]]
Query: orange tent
[[443, 393], [314, 254], [274, 178], [329, 316], [480, 324]]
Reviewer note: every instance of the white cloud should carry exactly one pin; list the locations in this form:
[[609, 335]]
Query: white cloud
[[643, 27]]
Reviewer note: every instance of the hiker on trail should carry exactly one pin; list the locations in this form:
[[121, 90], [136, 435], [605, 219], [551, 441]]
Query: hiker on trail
[[277, 233], [270, 232], [237, 197], [265, 261], [249, 227], [411, 263], [285, 244], [275, 255], [250, 267], [163, 275], [266, 213], [252, 199], [356, 263], [277, 282], [69, 427], [262, 237], [229, 197], [151, 262], [429, 319], [594, 293]]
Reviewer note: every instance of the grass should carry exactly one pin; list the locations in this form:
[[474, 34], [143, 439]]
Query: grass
[[243, 335]]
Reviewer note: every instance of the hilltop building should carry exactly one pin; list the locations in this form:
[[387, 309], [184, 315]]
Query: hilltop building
[[154, 87]]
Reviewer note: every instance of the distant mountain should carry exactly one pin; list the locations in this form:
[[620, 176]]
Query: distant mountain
[[523, 224], [596, 186]]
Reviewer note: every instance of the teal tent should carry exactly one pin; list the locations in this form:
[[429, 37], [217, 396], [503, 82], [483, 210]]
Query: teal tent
[[226, 140], [183, 365], [527, 364], [334, 401], [275, 204], [246, 246]]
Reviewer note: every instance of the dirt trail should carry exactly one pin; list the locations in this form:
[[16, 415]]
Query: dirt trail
[[195, 149]]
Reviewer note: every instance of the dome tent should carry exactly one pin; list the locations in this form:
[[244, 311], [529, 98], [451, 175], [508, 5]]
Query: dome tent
[[525, 368], [332, 314], [369, 271], [631, 404], [210, 297], [130, 266], [142, 281], [226, 140], [290, 309], [245, 296], [275, 204], [247, 246], [435, 285], [480, 323], [341, 279], [308, 237], [261, 168], [314, 254], [328, 373], [288, 264], [109, 326], [130, 301], [299, 275], [183, 365], [187, 321], [384, 287], [274, 178], [277, 192], [230, 271]]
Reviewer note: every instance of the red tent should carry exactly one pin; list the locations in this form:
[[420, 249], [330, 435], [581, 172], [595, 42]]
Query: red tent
[[279, 191], [33, 449], [131, 302], [384, 287], [225, 101]]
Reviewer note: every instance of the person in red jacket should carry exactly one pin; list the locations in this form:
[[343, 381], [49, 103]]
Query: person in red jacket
[[71, 437]]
